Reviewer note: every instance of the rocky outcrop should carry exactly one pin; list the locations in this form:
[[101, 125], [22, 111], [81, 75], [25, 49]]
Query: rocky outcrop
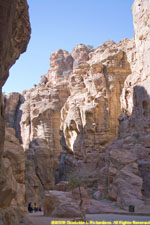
[[78, 102], [89, 118], [61, 64], [13, 113], [11, 216], [80, 54], [61, 204], [70, 120], [14, 159], [68, 205], [123, 165], [15, 34], [40, 126], [141, 20], [73, 113], [128, 163]]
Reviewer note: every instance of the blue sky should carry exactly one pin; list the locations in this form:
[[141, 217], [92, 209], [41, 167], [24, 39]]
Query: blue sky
[[62, 24]]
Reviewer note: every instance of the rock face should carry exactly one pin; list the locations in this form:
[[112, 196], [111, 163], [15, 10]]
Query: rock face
[[90, 113], [80, 54], [74, 108], [61, 204], [89, 118], [128, 163], [15, 34], [67, 205], [40, 125], [14, 159]]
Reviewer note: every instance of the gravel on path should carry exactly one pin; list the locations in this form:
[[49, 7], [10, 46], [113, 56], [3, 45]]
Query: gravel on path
[[107, 219]]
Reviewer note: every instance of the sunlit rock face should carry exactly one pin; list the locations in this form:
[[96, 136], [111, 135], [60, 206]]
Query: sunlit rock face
[[14, 159], [80, 54], [72, 118], [141, 20], [61, 64], [89, 118], [77, 113], [15, 34], [128, 162], [40, 126], [90, 112], [35, 116]]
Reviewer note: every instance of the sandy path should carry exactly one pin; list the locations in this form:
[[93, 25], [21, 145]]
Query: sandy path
[[39, 219]]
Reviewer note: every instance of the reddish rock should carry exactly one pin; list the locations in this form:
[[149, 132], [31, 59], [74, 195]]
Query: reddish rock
[[78, 101], [60, 204], [77, 193], [61, 64], [92, 206], [61, 186], [80, 54], [14, 37]]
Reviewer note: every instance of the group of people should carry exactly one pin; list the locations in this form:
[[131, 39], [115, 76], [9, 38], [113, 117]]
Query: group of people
[[34, 208]]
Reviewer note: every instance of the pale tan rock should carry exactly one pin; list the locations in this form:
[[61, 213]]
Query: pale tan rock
[[13, 216], [92, 206], [40, 132], [141, 22], [61, 64], [61, 186], [11, 104], [77, 193], [126, 177], [14, 169], [78, 103], [89, 118], [60, 204], [15, 34], [80, 54]]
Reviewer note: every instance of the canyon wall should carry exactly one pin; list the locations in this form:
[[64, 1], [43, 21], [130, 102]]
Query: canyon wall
[[89, 118], [14, 37], [90, 113], [128, 164], [67, 120]]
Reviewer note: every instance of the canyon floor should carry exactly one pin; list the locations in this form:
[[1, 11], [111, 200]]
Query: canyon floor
[[39, 219]]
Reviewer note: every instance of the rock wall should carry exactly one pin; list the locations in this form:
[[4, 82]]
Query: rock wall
[[70, 116], [89, 118], [126, 172], [14, 159], [15, 34], [90, 112], [74, 108], [40, 125]]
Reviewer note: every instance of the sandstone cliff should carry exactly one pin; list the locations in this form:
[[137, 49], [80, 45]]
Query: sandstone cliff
[[128, 163], [15, 34], [90, 112], [71, 115]]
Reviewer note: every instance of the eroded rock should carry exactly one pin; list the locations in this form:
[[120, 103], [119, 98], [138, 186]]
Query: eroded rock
[[15, 34]]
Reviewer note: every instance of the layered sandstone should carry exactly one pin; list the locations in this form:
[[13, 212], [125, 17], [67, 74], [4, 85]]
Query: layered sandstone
[[89, 118], [74, 109], [40, 135], [15, 34], [35, 116], [70, 120], [14, 159], [128, 163]]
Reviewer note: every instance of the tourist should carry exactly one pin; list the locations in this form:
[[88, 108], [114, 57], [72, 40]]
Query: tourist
[[30, 208]]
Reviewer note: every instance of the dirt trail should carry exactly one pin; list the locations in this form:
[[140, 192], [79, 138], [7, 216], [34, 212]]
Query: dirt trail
[[39, 219]]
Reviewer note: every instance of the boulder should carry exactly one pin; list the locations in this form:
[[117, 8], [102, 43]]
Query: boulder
[[79, 193], [60, 204], [62, 186]]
